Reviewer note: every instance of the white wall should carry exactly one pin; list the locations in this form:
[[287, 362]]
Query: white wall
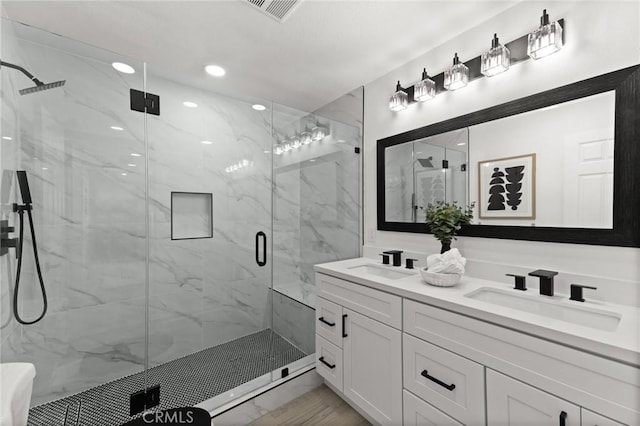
[[600, 37]]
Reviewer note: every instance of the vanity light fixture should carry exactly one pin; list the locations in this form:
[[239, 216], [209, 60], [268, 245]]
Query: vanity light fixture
[[295, 141], [278, 149], [319, 132], [425, 89], [287, 147], [305, 136], [457, 76], [496, 60], [545, 40], [399, 100]]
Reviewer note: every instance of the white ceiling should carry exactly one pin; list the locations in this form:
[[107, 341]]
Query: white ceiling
[[322, 51]]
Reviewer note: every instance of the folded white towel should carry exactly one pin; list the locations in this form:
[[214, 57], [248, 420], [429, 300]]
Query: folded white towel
[[450, 262]]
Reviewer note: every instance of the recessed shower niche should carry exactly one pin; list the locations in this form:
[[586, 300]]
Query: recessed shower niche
[[191, 215]]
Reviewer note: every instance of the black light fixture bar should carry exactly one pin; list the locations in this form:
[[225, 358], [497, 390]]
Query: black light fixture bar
[[517, 47]]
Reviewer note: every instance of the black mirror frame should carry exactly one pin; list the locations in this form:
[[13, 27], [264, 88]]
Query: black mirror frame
[[626, 179]]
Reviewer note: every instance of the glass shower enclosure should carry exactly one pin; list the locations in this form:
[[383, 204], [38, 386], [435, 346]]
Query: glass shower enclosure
[[176, 249]]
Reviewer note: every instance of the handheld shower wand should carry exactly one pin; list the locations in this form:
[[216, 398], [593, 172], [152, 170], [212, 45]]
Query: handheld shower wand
[[20, 209]]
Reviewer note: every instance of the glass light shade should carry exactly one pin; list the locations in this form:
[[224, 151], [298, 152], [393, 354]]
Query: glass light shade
[[399, 101], [318, 132], [287, 147], [295, 141], [278, 150], [496, 60], [425, 89], [547, 39], [457, 76], [305, 137]]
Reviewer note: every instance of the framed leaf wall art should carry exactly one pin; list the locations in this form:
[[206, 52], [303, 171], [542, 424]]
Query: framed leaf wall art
[[507, 188]]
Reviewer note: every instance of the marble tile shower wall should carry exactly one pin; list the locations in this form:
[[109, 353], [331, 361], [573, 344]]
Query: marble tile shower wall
[[206, 292], [89, 221], [9, 160], [316, 210]]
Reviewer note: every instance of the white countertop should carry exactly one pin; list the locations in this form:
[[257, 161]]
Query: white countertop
[[623, 344]]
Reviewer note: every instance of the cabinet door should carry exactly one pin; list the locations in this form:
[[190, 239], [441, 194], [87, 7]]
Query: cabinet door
[[372, 367], [513, 403], [419, 413], [589, 418]]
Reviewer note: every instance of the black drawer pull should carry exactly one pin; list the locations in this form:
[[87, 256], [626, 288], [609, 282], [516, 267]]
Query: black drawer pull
[[441, 383], [326, 363], [330, 324], [344, 327], [563, 418]]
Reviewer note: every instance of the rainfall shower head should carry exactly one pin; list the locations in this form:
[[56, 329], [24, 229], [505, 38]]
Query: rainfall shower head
[[40, 86]]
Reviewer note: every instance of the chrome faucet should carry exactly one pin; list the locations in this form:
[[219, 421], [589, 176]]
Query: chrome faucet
[[546, 280]]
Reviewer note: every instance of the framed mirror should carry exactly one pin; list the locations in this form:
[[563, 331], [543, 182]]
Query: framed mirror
[[558, 166]]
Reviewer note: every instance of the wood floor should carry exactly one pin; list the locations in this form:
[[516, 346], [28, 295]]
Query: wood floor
[[319, 407]]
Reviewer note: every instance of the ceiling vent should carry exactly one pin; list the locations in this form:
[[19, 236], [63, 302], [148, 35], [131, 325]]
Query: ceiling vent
[[279, 10]]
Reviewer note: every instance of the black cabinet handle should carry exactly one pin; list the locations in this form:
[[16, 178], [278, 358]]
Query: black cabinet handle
[[330, 324], [441, 383], [563, 418], [331, 366], [344, 333], [263, 261]]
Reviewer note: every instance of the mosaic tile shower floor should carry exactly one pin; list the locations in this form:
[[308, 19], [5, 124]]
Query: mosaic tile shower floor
[[186, 381]]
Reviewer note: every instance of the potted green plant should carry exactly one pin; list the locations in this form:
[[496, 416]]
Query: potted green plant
[[445, 220]]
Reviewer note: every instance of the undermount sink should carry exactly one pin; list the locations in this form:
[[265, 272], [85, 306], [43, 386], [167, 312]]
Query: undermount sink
[[381, 271], [559, 310]]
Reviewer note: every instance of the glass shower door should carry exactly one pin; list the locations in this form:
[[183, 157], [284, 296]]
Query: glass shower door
[[79, 144], [210, 233]]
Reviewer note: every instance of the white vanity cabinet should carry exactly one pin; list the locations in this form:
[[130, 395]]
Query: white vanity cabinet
[[400, 361], [359, 346]]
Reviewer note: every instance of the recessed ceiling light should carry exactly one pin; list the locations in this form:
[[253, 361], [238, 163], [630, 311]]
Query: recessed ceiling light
[[124, 68], [312, 161], [190, 104], [462, 143], [117, 128], [45, 168], [266, 152], [123, 174], [259, 107], [135, 154], [131, 165], [215, 70], [7, 138], [207, 142]]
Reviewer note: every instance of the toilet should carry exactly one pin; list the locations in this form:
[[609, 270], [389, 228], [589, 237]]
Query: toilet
[[16, 383]]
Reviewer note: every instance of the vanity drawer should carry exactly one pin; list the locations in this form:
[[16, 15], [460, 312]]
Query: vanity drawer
[[419, 413], [329, 321], [589, 418], [383, 307], [447, 381], [329, 362]]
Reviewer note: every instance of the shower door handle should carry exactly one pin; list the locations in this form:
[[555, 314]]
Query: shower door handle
[[261, 235]]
